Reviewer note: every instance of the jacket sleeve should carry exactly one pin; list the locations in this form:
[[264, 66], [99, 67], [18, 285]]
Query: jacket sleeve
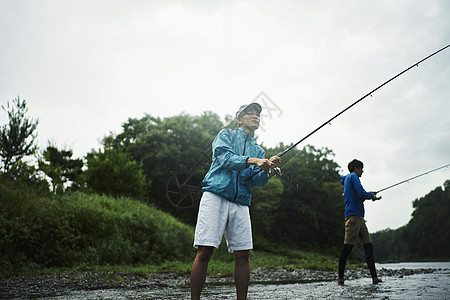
[[261, 178], [224, 154], [362, 194]]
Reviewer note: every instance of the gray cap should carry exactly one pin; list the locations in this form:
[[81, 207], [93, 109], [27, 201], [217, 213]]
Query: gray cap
[[246, 107]]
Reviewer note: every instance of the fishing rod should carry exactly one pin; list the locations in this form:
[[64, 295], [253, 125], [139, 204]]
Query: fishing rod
[[407, 180], [353, 104]]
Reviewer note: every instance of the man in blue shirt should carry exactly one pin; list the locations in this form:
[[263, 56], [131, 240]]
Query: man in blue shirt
[[224, 207], [355, 226]]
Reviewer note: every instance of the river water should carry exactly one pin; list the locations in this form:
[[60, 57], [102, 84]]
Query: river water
[[400, 281], [434, 283]]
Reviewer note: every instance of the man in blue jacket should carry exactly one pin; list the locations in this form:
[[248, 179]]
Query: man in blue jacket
[[224, 207], [355, 226]]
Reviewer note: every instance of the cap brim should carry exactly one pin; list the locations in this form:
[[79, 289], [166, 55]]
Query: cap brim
[[254, 105], [245, 108]]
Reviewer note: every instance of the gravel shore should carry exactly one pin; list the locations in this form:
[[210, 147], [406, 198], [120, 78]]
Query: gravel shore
[[47, 286]]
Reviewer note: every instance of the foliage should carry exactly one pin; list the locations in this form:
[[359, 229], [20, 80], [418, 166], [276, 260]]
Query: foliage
[[311, 208], [60, 167], [389, 245], [26, 177], [425, 237], [77, 228], [17, 138], [113, 172], [266, 200], [290, 259], [430, 239]]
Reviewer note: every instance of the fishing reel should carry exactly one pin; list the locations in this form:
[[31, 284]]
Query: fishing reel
[[274, 172]]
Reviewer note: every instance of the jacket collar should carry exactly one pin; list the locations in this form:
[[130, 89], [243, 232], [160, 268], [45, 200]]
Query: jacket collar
[[245, 133]]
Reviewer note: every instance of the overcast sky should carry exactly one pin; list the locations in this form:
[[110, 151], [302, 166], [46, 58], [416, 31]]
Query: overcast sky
[[85, 67]]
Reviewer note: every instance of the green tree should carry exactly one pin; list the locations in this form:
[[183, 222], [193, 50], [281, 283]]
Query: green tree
[[265, 201], [115, 173], [60, 167], [425, 237], [389, 245], [17, 138], [22, 176], [311, 208], [430, 239], [331, 215]]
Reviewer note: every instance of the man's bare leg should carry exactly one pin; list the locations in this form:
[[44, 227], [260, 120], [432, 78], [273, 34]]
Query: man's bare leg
[[199, 270], [242, 273]]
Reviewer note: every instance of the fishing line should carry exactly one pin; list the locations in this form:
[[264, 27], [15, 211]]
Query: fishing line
[[407, 180], [350, 106]]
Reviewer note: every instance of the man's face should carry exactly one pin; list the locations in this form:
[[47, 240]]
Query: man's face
[[358, 171], [249, 121]]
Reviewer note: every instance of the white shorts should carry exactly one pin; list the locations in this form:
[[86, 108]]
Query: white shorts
[[218, 216]]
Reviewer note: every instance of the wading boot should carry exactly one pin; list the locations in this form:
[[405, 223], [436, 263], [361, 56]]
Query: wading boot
[[376, 280]]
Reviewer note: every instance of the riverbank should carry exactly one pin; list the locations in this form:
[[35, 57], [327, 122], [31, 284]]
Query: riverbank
[[48, 286]]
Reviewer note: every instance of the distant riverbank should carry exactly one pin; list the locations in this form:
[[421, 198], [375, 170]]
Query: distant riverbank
[[91, 283]]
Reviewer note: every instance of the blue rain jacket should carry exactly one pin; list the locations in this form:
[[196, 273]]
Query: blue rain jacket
[[229, 170], [354, 195]]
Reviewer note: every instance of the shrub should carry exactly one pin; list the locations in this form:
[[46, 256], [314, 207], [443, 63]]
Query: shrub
[[79, 228]]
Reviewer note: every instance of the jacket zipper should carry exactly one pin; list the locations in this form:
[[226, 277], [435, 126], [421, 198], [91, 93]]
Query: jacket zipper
[[237, 177]]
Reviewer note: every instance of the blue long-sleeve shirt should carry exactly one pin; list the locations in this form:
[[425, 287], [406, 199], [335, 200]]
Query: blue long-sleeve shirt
[[229, 171], [354, 195]]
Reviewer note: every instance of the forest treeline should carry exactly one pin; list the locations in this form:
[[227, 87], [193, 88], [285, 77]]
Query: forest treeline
[[108, 206], [427, 235]]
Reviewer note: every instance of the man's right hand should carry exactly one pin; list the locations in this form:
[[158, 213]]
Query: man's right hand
[[262, 163], [265, 164], [375, 196]]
